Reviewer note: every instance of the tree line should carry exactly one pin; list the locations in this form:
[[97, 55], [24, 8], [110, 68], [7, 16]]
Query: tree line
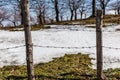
[[48, 11]]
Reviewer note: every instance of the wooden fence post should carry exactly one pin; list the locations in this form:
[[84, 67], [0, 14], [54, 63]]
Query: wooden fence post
[[28, 39], [99, 24]]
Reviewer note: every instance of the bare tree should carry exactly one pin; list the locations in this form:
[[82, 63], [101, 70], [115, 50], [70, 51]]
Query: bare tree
[[104, 4], [56, 7], [73, 7], [3, 11], [14, 17], [3, 15], [18, 6], [40, 9], [115, 6], [84, 8], [62, 9], [28, 39], [3, 3], [93, 8]]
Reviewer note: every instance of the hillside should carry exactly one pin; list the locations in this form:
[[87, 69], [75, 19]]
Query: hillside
[[108, 19], [89, 22]]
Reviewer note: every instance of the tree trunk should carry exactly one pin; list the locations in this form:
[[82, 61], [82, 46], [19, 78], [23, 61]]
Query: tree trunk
[[103, 6], [28, 40], [1, 25], [44, 18], [61, 17], [81, 15], [14, 24], [118, 11], [21, 13], [104, 10], [56, 10], [22, 19], [71, 18], [40, 19], [93, 8], [75, 14]]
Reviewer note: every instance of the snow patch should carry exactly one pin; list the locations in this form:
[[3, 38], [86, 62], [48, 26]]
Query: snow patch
[[62, 38]]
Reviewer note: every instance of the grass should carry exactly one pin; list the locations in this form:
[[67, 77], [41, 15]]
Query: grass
[[69, 67], [108, 19], [20, 28], [38, 27]]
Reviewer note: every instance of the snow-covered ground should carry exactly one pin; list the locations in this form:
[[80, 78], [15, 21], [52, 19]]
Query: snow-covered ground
[[63, 36]]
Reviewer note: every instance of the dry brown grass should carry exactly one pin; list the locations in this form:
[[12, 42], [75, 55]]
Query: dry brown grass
[[92, 20], [21, 28]]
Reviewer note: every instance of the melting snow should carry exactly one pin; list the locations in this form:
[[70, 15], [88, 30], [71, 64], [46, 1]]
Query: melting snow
[[63, 36]]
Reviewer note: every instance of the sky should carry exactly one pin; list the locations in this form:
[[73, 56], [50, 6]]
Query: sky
[[65, 16]]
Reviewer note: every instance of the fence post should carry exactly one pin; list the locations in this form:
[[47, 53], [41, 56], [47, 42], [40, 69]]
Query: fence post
[[28, 39], [99, 51]]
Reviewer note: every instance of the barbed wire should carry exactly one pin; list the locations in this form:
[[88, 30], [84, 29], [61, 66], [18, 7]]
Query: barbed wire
[[13, 47], [74, 47], [105, 62], [111, 48], [111, 62], [63, 47]]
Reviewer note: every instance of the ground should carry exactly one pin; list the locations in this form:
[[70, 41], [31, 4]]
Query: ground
[[56, 42]]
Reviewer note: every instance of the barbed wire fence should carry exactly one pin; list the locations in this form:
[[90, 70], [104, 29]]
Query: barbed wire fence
[[61, 47], [75, 47], [71, 29], [69, 47]]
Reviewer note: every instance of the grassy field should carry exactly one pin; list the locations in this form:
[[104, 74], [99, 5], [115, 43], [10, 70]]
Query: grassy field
[[69, 67], [92, 20]]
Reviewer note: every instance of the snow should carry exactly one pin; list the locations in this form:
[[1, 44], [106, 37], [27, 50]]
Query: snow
[[63, 36]]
